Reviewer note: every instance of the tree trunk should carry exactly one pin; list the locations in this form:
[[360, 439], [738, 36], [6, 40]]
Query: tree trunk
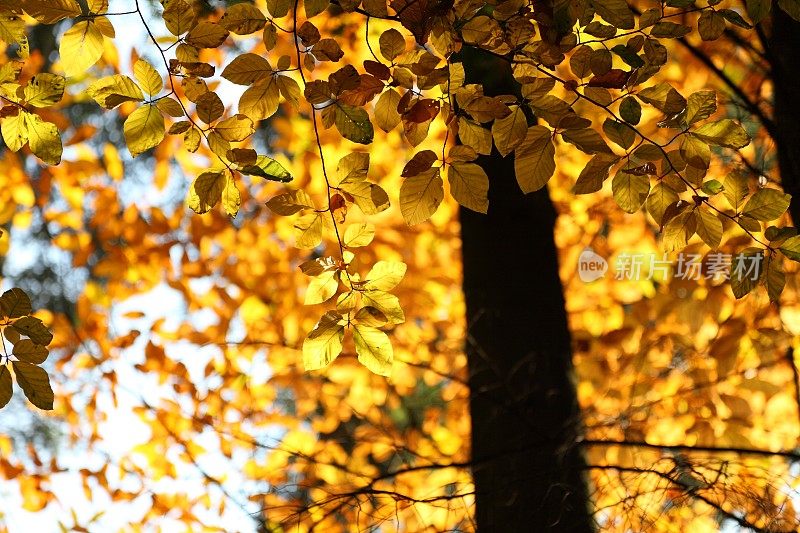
[[783, 51], [528, 470]]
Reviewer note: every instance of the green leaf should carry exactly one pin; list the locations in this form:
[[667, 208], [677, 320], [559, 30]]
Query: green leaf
[[791, 248], [35, 383], [630, 110], [353, 123], [266, 167], [712, 187], [34, 329], [6, 389], [725, 132], [534, 159], [15, 303], [767, 204], [374, 349], [26, 350]]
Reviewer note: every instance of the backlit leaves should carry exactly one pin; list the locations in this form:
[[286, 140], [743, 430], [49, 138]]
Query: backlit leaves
[[144, 129], [29, 338], [81, 47], [534, 161], [420, 196]]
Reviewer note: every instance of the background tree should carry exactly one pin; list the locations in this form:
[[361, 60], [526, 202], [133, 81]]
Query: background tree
[[686, 394]]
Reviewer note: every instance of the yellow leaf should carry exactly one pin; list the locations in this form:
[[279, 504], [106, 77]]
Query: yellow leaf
[[290, 90], [44, 90], [15, 133], [170, 107], [534, 159], [324, 342], [308, 230], [475, 136], [709, 227], [290, 203], [231, 198], [12, 28], [34, 382], [43, 139], [725, 132], [630, 190], [767, 204], [386, 303], [243, 19], [191, 139], [247, 69], [392, 44], [678, 231], [469, 185], [111, 91], [206, 191], [81, 47], [386, 115], [661, 197], [261, 100], [236, 128], [594, 174], [6, 390], [508, 132], [179, 16], [206, 35], [357, 235], [144, 129], [368, 196], [148, 77], [420, 196], [52, 11], [374, 349], [385, 275], [322, 287]]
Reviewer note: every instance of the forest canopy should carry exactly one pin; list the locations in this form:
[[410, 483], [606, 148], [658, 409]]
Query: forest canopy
[[235, 237]]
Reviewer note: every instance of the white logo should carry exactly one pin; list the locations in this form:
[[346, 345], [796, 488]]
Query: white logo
[[591, 266]]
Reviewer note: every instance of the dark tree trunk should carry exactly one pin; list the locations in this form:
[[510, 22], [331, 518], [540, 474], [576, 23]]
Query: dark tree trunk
[[783, 51], [528, 470]]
